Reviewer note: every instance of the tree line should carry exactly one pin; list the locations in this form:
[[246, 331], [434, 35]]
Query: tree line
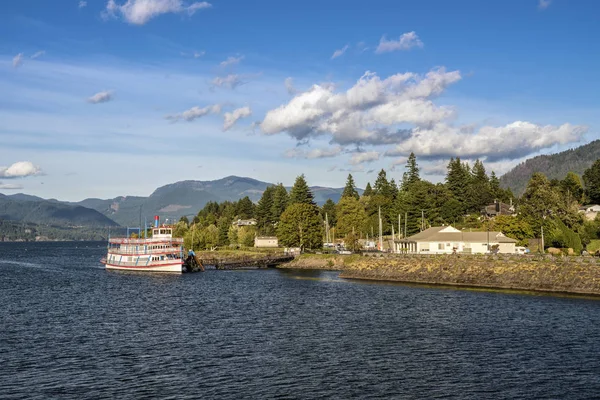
[[406, 207]]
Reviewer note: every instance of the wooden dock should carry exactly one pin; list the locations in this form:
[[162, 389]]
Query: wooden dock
[[230, 262]]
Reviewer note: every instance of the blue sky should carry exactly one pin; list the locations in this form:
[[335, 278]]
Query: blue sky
[[117, 97]]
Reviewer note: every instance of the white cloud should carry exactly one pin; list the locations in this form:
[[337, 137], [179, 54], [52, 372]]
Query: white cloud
[[20, 169], [511, 141], [230, 81], [314, 153], [339, 52], [10, 186], [195, 112], [289, 86], [543, 4], [365, 157], [37, 54], [406, 42], [101, 97], [230, 118], [231, 61], [364, 113], [18, 60], [198, 54], [138, 12], [82, 4]]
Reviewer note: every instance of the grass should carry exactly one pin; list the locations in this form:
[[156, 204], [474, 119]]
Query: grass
[[593, 246]]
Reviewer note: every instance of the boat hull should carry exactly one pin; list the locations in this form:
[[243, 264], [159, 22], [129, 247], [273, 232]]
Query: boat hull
[[168, 268]]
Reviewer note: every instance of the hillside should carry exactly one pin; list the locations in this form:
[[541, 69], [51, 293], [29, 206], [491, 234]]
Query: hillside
[[553, 166], [18, 208], [177, 199]]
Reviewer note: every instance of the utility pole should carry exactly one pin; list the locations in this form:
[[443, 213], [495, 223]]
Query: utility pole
[[326, 228], [422, 220], [405, 224], [380, 232], [399, 226]]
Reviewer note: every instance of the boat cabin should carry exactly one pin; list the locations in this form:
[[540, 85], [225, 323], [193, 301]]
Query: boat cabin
[[162, 232]]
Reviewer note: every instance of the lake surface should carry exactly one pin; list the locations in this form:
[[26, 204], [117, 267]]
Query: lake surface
[[70, 329]]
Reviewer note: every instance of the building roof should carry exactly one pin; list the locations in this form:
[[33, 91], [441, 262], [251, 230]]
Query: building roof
[[450, 234], [266, 237]]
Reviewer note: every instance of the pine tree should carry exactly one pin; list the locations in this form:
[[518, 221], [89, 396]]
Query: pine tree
[[264, 212], [350, 189], [458, 180], [411, 175], [479, 194], [245, 208], [351, 216], [301, 193], [393, 189], [280, 202], [382, 186], [591, 178], [368, 190]]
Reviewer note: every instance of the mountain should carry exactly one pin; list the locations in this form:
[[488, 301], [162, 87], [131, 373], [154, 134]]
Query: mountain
[[25, 209], [554, 166], [177, 199]]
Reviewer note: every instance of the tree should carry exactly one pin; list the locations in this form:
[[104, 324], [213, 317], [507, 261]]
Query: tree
[[245, 208], [246, 235], [280, 202], [539, 201], [232, 235], [591, 178], [264, 212], [458, 180], [350, 189], [572, 187], [479, 193], [382, 186], [301, 193], [300, 226], [351, 216], [223, 226], [185, 220], [368, 190], [513, 227], [329, 210], [411, 175]]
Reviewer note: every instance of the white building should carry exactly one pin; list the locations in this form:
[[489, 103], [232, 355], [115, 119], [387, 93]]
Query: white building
[[266, 241], [590, 211], [448, 240]]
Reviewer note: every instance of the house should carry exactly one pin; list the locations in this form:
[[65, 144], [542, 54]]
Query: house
[[590, 211], [499, 208], [448, 240], [266, 241], [244, 222]]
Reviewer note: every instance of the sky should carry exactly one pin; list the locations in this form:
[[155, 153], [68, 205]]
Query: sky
[[103, 98]]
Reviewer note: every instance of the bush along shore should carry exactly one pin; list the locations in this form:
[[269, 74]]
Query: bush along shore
[[579, 275]]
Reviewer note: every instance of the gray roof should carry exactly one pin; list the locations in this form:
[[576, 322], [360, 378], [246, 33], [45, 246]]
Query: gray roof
[[433, 234]]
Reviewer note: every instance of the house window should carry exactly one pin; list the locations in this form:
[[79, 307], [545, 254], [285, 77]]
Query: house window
[[440, 246]]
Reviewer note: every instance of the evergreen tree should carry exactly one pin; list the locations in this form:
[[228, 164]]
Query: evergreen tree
[[280, 202], [223, 227], [382, 186], [368, 190], [495, 190], [591, 178], [301, 193], [350, 189], [393, 189], [245, 208], [572, 187], [185, 220], [329, 210], [264, 212], [411, 175], [539, 201], [458, 180], [300, 226], [479, 194]]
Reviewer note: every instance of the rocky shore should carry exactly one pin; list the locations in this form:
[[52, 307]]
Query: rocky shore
[[579, 275]]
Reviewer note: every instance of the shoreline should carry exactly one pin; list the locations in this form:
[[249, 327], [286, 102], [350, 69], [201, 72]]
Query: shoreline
[[579, 276]]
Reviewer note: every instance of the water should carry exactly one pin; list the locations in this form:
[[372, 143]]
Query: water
[[70, 329]]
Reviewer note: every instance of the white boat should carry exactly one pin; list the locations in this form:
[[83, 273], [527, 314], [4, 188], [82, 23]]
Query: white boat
[[159, 253]]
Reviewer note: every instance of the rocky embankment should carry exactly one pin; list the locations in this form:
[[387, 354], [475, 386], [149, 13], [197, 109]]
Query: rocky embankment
[[540, 273], [547, 273]]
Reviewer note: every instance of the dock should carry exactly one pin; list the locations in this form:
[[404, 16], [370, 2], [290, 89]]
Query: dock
[[210, 260]]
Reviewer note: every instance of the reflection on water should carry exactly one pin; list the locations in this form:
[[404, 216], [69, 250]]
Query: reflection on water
[[69, 329]]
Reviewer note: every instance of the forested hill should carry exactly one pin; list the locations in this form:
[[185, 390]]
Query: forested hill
[[553, 166]]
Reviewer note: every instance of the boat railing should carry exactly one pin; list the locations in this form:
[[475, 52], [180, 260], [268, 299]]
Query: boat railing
[[141, 251], [145, 241]]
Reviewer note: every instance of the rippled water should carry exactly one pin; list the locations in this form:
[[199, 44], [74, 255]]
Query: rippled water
[[70, 329]]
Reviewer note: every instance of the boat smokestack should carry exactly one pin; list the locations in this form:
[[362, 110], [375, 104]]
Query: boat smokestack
[[156, 221]]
